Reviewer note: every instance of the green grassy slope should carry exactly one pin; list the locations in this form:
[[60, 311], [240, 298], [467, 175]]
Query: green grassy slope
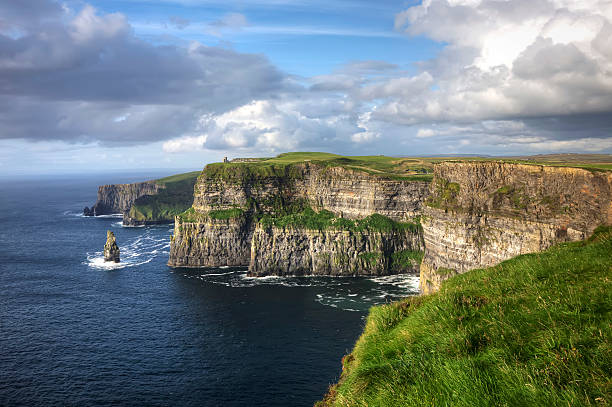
[[170, 201], [409, 169], [532, 331], [400, 168]]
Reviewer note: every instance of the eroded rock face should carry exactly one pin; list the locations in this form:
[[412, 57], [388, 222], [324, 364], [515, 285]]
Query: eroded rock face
[[296, 251], [118, 198], [111, 250], [243, 242], [480, 214], [211, 243], [474, 214], [349, 193]]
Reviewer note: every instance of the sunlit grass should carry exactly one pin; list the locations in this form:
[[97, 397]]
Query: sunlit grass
[[534, 330]]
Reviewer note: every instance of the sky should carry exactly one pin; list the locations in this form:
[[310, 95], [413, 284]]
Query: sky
[[88, 86]]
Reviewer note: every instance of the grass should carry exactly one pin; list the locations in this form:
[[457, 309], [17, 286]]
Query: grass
[[594, 162], [175, 198], [324, 219], [223, 214], [405, 169], [444, 194], [406, 258], [532, 331], [383, 167]]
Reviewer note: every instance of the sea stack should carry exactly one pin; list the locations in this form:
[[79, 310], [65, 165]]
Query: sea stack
[[111, 250]]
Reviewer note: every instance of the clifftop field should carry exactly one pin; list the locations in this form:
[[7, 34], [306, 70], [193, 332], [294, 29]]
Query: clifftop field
[[533, 330]]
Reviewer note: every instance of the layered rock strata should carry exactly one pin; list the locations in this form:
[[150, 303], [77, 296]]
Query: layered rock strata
[[243, 240], [211, 243], [479, 214], [349, 193], [119, 198], [296, 251]]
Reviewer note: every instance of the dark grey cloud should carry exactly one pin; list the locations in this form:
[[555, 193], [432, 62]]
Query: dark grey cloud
[[87, 77], [27, 14]]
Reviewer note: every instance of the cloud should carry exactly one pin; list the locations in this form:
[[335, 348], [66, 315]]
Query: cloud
[[506, 61], [69, 75], [512, 77], [179, 22], [229, 22], [271, 126], [425, 133]]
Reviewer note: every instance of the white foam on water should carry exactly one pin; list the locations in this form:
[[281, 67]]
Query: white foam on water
[[136, 252], [75, 214], [110, 215], [350, 294]]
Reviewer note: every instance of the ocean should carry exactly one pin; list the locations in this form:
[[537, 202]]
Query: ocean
[[76, 331]]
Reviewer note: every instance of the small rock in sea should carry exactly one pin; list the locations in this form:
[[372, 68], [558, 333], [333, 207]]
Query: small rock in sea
[[111, 250]]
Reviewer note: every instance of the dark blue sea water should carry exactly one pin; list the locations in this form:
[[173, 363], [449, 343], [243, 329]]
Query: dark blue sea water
[[74, 331]]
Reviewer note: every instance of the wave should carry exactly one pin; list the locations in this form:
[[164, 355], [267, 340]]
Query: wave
[[81, 215], [355, 294], [135, 252]]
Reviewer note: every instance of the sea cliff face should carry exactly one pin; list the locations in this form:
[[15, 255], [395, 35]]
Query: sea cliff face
[[336, 252], [472, 215], [119, 198], [479, 214], [146, 203], [253, 193], [349, 193], [211, 243]]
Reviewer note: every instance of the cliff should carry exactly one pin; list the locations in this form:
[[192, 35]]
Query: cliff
[[301, 218], [296, 215], [208, 242], [347, 192], [145, 203], [118, 198], [481, 213], [335, 251]]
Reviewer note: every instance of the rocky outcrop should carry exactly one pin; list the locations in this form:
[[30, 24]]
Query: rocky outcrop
[[146, 203], [336, 252], [473, 214], [258, 191], [119, 198], [350, 193], [211, 243], [482, 213], [111, 250]]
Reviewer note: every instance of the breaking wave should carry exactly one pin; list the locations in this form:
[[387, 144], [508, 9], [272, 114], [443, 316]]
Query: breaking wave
[[134, 252], [346, 293]]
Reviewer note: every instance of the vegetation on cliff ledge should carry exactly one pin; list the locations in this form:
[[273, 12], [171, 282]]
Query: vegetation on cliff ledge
[[324, 219], [533, 330], [176, 197]]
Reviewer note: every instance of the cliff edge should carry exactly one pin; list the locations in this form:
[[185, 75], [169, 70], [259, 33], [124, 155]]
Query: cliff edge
[[145, 203], [298, 216], [481, 213]]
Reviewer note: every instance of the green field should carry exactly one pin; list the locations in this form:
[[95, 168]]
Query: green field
[[409, 169], [535, 330], [397, 168], [175, 198]]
